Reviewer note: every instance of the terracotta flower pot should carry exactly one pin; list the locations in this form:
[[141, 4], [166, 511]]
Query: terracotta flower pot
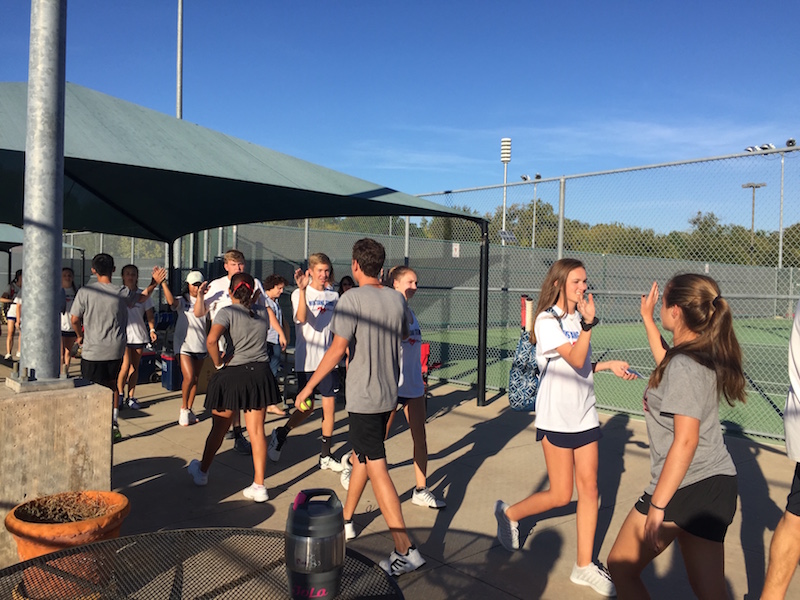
[[36, 539]]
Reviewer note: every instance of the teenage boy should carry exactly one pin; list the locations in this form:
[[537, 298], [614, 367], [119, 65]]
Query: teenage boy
[[313, 303], [103, 308], [211, 297], [371, 321]]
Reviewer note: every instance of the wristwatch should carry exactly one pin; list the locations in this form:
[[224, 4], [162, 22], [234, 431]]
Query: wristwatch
[[587, 326]]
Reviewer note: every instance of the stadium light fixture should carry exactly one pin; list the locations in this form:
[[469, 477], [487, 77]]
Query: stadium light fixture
[[505, 158]]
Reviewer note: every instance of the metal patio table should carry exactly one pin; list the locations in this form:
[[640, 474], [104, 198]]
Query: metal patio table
[[239, 564]]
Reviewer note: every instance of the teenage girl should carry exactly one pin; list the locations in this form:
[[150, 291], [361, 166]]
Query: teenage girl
[[566, 417], [189, 342], [137, 338], [12, 297], [68, 336], [243, 380], [692, 492], [345, 284], [411, 390]]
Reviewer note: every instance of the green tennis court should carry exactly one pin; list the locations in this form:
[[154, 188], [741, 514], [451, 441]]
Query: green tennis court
[[764, 342]]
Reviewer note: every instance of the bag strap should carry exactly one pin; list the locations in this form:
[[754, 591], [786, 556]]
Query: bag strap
[[552, 311]]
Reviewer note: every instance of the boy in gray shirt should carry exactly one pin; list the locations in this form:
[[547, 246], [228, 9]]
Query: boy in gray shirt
[[371, 321], [101, 308]]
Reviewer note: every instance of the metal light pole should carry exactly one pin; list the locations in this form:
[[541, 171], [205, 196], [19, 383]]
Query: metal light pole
[[505, 158], [179, 82], [533, 227], [754, 187]]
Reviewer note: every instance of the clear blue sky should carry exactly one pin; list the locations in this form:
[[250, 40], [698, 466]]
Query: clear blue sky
[[416, 95]]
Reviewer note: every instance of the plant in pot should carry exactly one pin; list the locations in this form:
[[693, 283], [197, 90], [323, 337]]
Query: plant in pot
[[61, 521]]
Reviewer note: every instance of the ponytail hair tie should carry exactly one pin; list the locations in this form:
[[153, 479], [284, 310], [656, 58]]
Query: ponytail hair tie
[[240, 284], [715, 301]]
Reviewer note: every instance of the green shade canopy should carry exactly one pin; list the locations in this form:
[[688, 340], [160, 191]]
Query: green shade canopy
[[132, 171]]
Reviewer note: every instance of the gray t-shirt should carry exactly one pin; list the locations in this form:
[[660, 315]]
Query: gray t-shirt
[[245, 336], [104, 310], [373, 321], [690, 389]]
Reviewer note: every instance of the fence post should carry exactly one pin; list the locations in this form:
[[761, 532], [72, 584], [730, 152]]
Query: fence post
[[561, 194], [405, 249]]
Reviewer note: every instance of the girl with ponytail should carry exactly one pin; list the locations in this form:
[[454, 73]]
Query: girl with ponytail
[[243, 380], [692, 493]]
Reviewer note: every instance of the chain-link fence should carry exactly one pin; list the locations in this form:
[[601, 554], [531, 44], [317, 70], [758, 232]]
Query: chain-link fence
[[630, 227], [735, 218]]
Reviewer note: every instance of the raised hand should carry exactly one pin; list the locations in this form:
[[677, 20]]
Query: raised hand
[[587, 308], [159, 274], [302, 278], [649, 302]]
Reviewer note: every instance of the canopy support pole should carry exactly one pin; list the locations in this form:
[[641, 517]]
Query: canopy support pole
[[483, 312], [43, 212]]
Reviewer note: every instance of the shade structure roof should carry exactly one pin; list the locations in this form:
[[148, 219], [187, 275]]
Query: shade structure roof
[[132, 171]]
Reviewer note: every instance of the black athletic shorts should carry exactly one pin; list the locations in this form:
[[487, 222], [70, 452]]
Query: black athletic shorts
[[569, 440], [793, 500], [367, 432], [327, 388], [704, 509], [101, 372]]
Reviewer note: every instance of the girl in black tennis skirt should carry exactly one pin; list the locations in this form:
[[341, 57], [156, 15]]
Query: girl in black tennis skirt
[[243, 380]]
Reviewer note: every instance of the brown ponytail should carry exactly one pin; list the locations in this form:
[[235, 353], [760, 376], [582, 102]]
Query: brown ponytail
[[708, 314]]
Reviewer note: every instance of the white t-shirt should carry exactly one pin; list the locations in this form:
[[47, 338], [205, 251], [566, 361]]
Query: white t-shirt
[[66, 320], [566, 401], [314, 336], [411, 383], [791, 414], [218, 296], [137, 332], [190, 331]]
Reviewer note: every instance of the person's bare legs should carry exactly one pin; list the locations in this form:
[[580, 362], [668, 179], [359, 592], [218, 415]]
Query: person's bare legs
[[630, 555], [220, 421], [358, 482], [66, 351], [133, 374], [328, 417], [586, 459], [705, 565], [190, 368], [254, 421], [12, 325], [388, 502], [784, 554], [415, 415], [560, 462], [124, 371]]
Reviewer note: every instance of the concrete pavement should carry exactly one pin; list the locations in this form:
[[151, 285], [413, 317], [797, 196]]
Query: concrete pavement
[[477, 455]]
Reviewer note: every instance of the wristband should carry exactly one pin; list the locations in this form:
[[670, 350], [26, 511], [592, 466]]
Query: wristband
[[220, 367], [587, 326], [661, 508]]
